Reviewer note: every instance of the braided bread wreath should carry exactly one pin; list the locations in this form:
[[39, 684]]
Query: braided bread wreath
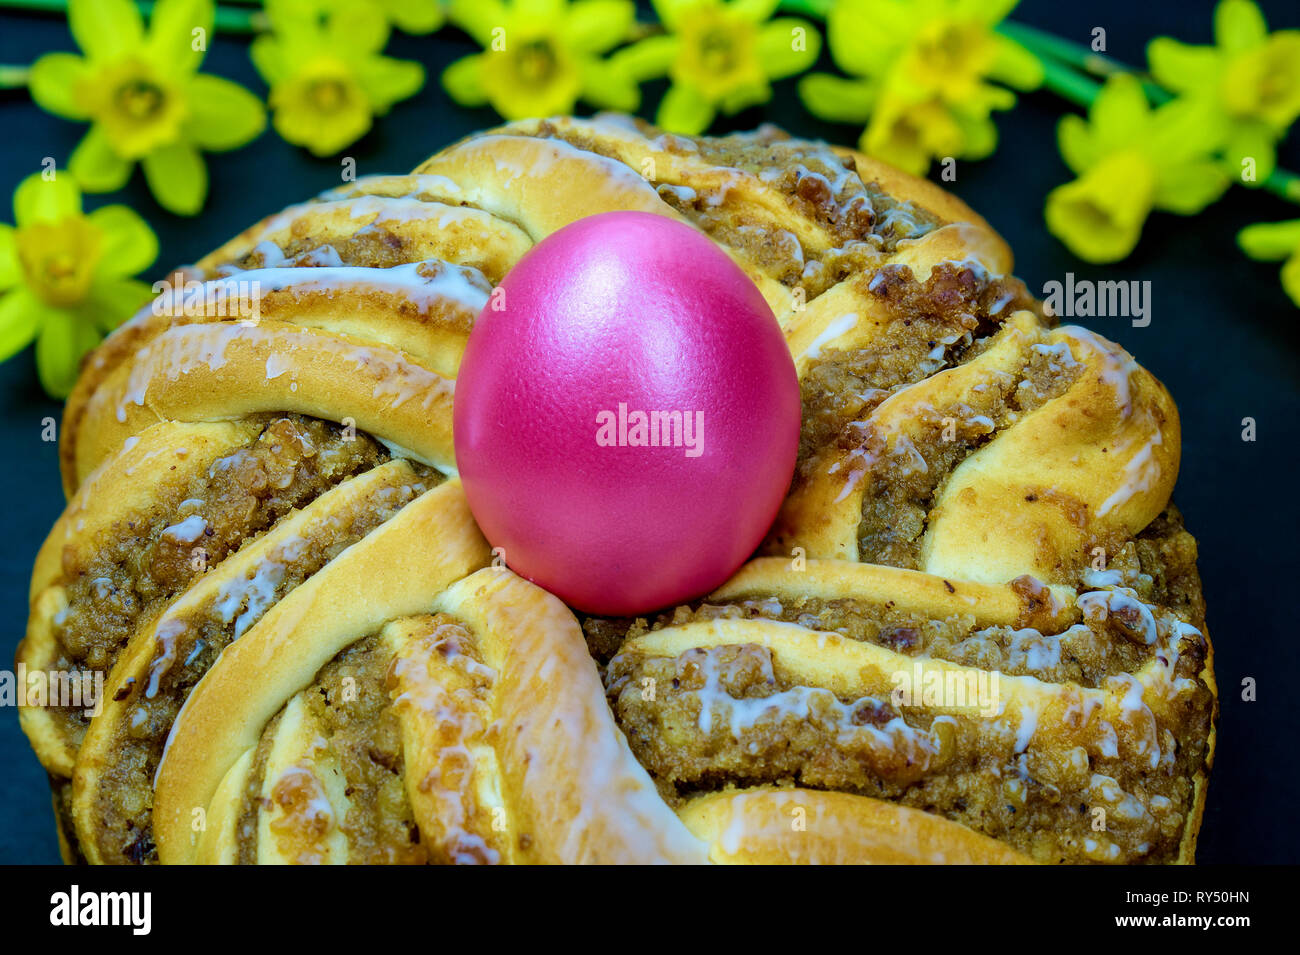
[[311, 658]]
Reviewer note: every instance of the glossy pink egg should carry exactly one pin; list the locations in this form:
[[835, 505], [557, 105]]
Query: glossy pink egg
[[627, 415]]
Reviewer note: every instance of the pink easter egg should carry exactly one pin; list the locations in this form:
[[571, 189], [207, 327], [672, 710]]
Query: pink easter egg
[[627, 415]]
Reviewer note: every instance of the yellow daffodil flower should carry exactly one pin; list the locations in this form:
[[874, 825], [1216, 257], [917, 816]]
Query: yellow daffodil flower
[[919, 75], [720, 56], [541, 56], [65, 277], [145, 99], [1250, 78], [1130, 159], [1272, 242], [327, 76]]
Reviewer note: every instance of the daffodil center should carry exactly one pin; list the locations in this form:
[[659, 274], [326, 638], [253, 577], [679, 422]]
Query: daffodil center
[[328, 95], [1279, 82], [1264, 84], [535, 62], [718, 52], [59, 259], [137, 107], [140, 99], [951, 48]]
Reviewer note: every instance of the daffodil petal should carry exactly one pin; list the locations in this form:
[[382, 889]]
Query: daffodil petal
[[909, 157], [1074, 139], [463, 81], [1119, 112], [787, 47], [20, 318], [1250, 148], [223, 115], [112, 301], [1238, 25], [388, 81], [95, 166], [682, 110], [478, 18], [63, 342], [547, 10], [54, 82], [1291, 278], [288, 16], [742, 97], [594, 26], [836, 98], [177, 178], [1100, 215], [1015, 65], [991, 12], [415, 16], [105, 29], [129, 245], [1187, 188], [865, 36], [605, 87], [1182, 67], [303, 127], [1188, 127], [172, 33], [355, 26], [11, 270], [1281, 58], [38, 199], [267, 54], [755, 11], [1269, 241], [985, 98], [647, 59], [670, 12], [979, 136]]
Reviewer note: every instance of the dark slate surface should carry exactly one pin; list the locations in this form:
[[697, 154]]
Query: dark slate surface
[[1223, 339]]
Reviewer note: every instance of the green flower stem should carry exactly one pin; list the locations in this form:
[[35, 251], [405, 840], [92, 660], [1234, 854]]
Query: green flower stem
[[1068, 83], [1046, 47], [1040, 41], [228, 20], [13, 77]]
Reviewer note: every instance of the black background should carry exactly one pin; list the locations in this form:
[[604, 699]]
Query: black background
[[1223, 338]]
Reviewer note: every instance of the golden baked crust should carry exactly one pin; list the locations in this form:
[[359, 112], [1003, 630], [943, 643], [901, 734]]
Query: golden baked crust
[[308, 659]]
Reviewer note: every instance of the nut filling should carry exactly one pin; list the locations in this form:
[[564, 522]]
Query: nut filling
[[329, 777], [149, 558], [733, 715], [358, 747], [188, 647]]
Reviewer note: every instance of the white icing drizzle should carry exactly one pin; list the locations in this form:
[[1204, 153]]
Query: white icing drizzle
[[1099, 605], [1102, 578], [187, 347], [1141, 472], [186, 531], [426, 183], [425, 284], [807, 704], [1027, 726], [833, 330], [1033, 650]]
